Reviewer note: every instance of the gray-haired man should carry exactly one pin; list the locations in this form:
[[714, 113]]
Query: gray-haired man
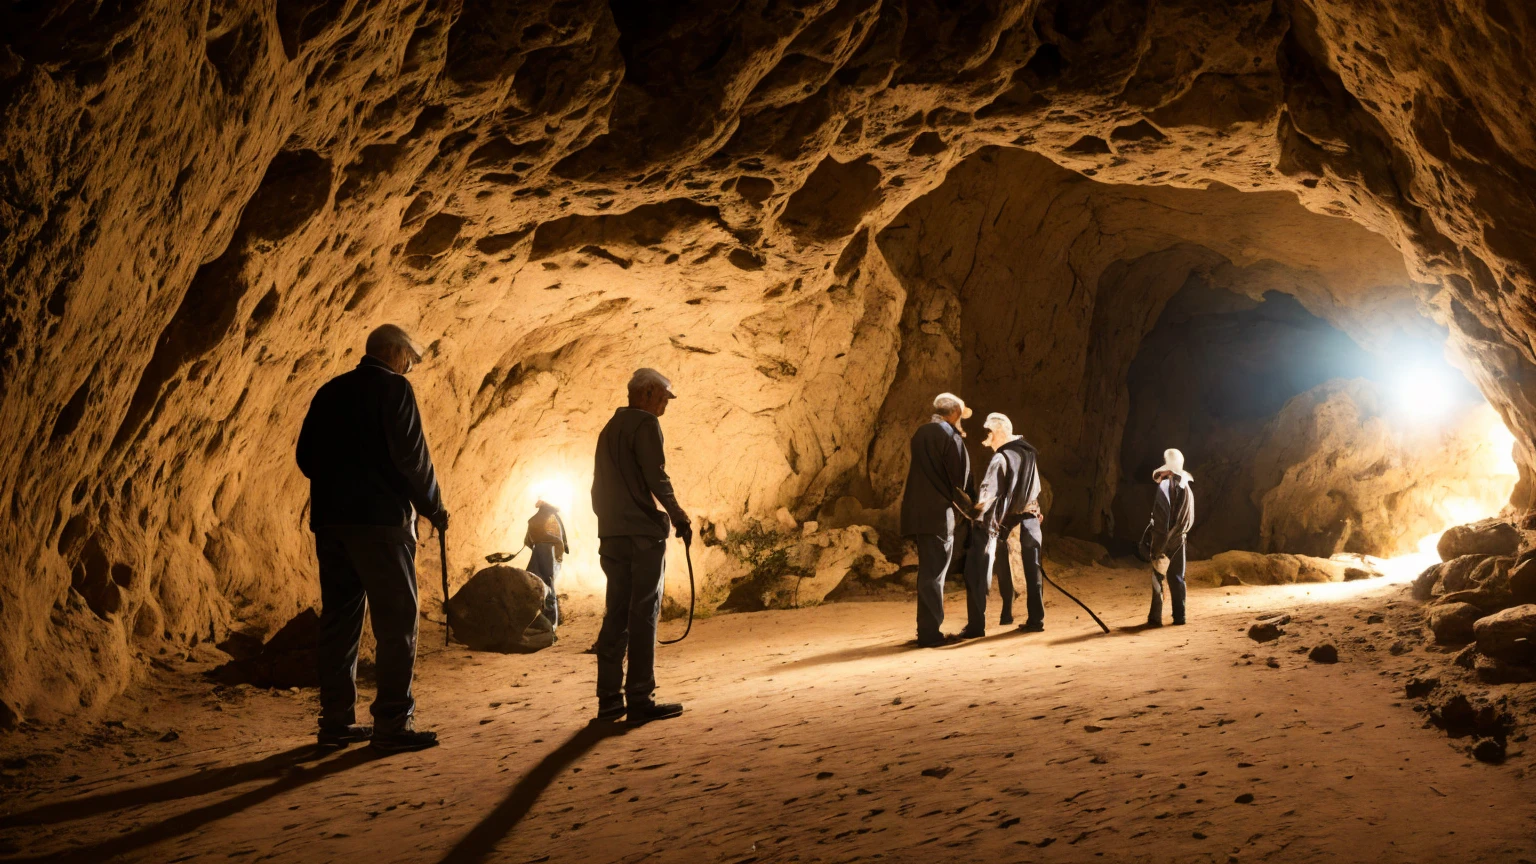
[[940, 472], [628, 479], [369, 474], [1007, 498]]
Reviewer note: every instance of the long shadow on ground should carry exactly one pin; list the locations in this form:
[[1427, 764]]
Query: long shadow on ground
[[194, 819], [480, 842]]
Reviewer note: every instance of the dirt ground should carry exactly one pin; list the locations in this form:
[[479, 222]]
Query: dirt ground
[[819, 735]]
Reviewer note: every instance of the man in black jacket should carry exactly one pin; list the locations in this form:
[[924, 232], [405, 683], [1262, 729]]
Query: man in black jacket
[[629, 477], [1162, 543], [940, 471], [370, 474]]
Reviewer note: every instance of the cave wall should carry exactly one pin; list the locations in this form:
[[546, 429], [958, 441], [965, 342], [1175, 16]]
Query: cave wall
[[204, 206]]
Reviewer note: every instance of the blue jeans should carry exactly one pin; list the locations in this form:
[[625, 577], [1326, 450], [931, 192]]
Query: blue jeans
[[1175, 586], [546, 566]]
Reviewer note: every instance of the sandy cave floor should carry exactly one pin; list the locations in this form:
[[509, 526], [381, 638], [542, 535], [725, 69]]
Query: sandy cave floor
[[817, 735]]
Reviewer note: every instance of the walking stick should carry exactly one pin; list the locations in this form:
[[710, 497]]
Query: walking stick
[[692, 594], [442, 554], [1095, 618]]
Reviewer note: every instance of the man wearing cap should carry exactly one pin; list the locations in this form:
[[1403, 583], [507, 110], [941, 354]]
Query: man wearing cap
[[629, 478], [370, 475], [1162, 543], [938, 478], [1008, 498]]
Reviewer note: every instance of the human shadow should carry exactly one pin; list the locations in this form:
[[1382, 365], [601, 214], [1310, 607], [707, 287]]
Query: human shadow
[[191, 820], [188, 786], [1090, 635], [850, 655], [480, 842]]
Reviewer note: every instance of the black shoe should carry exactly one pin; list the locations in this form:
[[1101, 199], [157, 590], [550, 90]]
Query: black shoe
[[341, 736], [1154, 622], [648, 711], [1005, 621], [1178, 622], [1032, 627], [611, 712], [968, 633], [403, 740]]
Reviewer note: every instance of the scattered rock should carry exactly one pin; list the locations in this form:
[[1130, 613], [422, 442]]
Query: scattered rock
[[1452, 622], [1355, 574], [1489, 750], [1265, 631], [1245, 798], [1374, 619], [1397, 648], [494, 610], [1492, 670], [1522, 581], [1488, 537], [938, 773], [1508, 635], [169, 736], [1420, 687], [1324, 653]]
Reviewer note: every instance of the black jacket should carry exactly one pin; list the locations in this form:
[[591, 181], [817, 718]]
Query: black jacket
[[940, 465], [629, 476], [1011, 482], [363, 451], [1173, 515]]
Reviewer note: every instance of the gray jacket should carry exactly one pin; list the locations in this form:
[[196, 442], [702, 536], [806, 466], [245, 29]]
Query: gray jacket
[[1011, 484], [630, 476], [940, 465]]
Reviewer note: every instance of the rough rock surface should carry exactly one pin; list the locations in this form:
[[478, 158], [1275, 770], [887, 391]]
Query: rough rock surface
[[1452, 622], [200, 215], [495, 609], [1488, 537], [1508, 635], [1254, 568]]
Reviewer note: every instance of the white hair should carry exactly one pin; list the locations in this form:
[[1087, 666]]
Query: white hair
[[646, 378], [999, 423], [946, 404]]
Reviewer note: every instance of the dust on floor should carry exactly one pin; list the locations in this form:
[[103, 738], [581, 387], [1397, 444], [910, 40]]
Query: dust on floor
[[820, 735]]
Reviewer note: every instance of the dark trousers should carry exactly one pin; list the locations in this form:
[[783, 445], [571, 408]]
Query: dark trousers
[[374, 570], [634, 567], [544, 565], [1175, 586], [978, 579], [1034, 576], [933, 556]]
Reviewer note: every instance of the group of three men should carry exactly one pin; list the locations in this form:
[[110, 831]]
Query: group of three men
[[370, 473], [939, 492]]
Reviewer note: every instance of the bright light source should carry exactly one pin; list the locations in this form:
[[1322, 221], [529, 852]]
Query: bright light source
[[1422, 392], [557, 489], [1502, 443]]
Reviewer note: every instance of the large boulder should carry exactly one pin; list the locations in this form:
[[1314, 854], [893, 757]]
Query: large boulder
[[788, 570], [1522, 581], [1253, 568], [495, 610], [1508, 635], [1452, 622], [1488, 537]]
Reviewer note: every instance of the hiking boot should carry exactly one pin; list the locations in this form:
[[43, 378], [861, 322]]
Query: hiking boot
[[610, 712], [403, 740], [645, 712], [1032, 626], [341, 736]]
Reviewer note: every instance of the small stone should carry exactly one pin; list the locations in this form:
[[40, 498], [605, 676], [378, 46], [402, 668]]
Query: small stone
[[1272, 663], [1374, 619], [937, 773], [1418, 688], [1092, 728], [1355, 574], [896, 701], [1397, 648], [1265, 631], [1489, 750], [1324, 653], [169, 736], [1245, 798]]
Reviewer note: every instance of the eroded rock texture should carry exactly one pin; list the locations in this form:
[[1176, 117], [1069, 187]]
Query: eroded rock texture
[[203, 208]]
